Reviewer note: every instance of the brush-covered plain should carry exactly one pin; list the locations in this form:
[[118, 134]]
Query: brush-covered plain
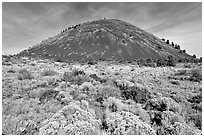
[[43, 97]]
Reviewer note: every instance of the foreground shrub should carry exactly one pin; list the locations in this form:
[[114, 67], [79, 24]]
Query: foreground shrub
[[25, 74], [74, 119], [163, 104], [137, 110], [17, 126], [48, 73], [178, 129], [126, 123], [196, 119]]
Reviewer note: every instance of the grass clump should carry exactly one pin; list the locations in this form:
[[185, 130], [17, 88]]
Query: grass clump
[[48, 72], [25, 74]]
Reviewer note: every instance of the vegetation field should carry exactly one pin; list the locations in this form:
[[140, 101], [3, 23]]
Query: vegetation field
[[43, 97]]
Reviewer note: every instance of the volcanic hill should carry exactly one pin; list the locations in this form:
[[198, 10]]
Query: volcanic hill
[[103, 39]]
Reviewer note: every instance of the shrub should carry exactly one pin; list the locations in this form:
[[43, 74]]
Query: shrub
[[113, 104], [137, 93], [180, 72], [161, 62], [196, 75], [75, 77], [25, 74], [74, 119], [48, 73], [88, 88], [196, 99], [178, 129], [91, 62], [105, 91], [196, 118], [163, 104], [169, 117], [137, 110], [123, 84], [10, 126], [58, 60], [175, 82], [126, 123], [47, 95], [171, 61]]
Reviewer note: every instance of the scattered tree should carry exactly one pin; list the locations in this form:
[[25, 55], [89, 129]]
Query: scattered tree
[[172, 44], [177, 47], [167, 42], [200, 60]]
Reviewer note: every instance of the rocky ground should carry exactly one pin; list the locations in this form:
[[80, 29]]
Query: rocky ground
[[47, 97]]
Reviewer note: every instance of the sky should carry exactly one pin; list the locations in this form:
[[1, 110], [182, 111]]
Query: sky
[[27, 24]]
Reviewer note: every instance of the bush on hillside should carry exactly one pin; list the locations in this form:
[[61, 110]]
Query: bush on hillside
[[161, 62], [24, 74], [196, 75], [171, 61]]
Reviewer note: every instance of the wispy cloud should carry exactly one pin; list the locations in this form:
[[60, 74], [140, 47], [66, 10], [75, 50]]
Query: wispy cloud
[[25, 24]]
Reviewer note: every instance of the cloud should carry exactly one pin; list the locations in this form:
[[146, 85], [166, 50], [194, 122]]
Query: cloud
[[26, 24]]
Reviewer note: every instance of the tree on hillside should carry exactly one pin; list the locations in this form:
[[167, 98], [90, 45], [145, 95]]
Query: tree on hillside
[[200, 60], [172, 44], [167, 42], [194, 56], [163, 39], [177, 47]]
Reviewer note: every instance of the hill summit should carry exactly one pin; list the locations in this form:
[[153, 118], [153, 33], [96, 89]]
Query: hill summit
[[109, 39]]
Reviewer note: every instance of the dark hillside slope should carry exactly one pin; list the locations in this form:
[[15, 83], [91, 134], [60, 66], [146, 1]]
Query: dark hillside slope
[[103, 39]]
